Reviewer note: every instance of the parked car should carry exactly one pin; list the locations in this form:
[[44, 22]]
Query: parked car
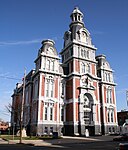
[[123, 146], [123, 137]]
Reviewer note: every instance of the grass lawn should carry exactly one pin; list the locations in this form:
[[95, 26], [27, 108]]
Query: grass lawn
[[10, 137]]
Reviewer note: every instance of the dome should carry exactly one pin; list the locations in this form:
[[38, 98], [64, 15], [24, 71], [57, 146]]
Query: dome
[[76, 10]]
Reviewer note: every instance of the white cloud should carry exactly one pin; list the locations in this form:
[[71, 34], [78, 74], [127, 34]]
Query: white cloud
[[5, 43], [98, 33], [121, 91]]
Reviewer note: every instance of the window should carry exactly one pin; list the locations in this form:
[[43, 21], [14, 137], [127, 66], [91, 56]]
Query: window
[[109, 95], [83, 68], [108, 117], [47, 88], [75, 17], [109, 129], [82, 52], [27, 97], [71, 51], [48, 64], [51, 113], [111, 116], [113, 129], [86, 102], [46, 113], [46, 130], [52, 65], [62, 114], [62, 58], [36, 89], [79, 18], [62, 89], [88, 68], [52, 88], [109, 78], [86, 117], [51, 129], [87, 54]]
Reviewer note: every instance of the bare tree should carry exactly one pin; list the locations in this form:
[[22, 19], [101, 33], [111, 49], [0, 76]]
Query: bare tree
[[15, 112]]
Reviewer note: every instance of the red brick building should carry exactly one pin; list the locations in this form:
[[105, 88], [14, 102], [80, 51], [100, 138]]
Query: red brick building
[[73, 96]]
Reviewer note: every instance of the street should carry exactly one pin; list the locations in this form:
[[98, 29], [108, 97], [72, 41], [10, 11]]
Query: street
[[73, 146]]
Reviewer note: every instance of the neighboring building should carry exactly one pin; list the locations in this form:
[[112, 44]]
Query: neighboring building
[[122, 117], [71, 97], [3, 126]]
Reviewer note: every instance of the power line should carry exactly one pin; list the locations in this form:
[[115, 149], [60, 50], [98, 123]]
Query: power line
[[11, 78]]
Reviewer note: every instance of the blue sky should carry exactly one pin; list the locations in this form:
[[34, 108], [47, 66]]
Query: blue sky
[[25, 23]]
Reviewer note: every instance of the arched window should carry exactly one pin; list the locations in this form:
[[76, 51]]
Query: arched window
[[109, 78], [88, 68], [86, 102], [47, 88], [112, 117], [52, 65], [48, 64], [82, 52], [109, 95], [88, 54], [83, 68], [108, 116], [85, 53], [51, 87], [51, 113], [36, 89]]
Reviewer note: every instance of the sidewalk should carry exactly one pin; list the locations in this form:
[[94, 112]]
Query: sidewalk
[[58, 142], [3, 141]]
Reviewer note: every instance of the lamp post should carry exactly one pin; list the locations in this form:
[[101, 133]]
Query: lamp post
[[22, 107]]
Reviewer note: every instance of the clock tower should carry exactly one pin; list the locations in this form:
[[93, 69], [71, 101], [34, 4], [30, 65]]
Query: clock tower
[[79, 64]]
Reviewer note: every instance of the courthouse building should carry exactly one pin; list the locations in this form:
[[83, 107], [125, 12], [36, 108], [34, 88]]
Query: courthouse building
[[70, 95]]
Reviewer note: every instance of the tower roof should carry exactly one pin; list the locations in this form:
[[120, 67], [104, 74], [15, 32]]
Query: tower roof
[[76, 10]]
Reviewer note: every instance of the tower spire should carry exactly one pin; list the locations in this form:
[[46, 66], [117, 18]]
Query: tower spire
[[77, 16]]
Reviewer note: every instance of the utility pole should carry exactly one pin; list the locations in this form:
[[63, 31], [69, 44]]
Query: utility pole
[[22, 107]]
